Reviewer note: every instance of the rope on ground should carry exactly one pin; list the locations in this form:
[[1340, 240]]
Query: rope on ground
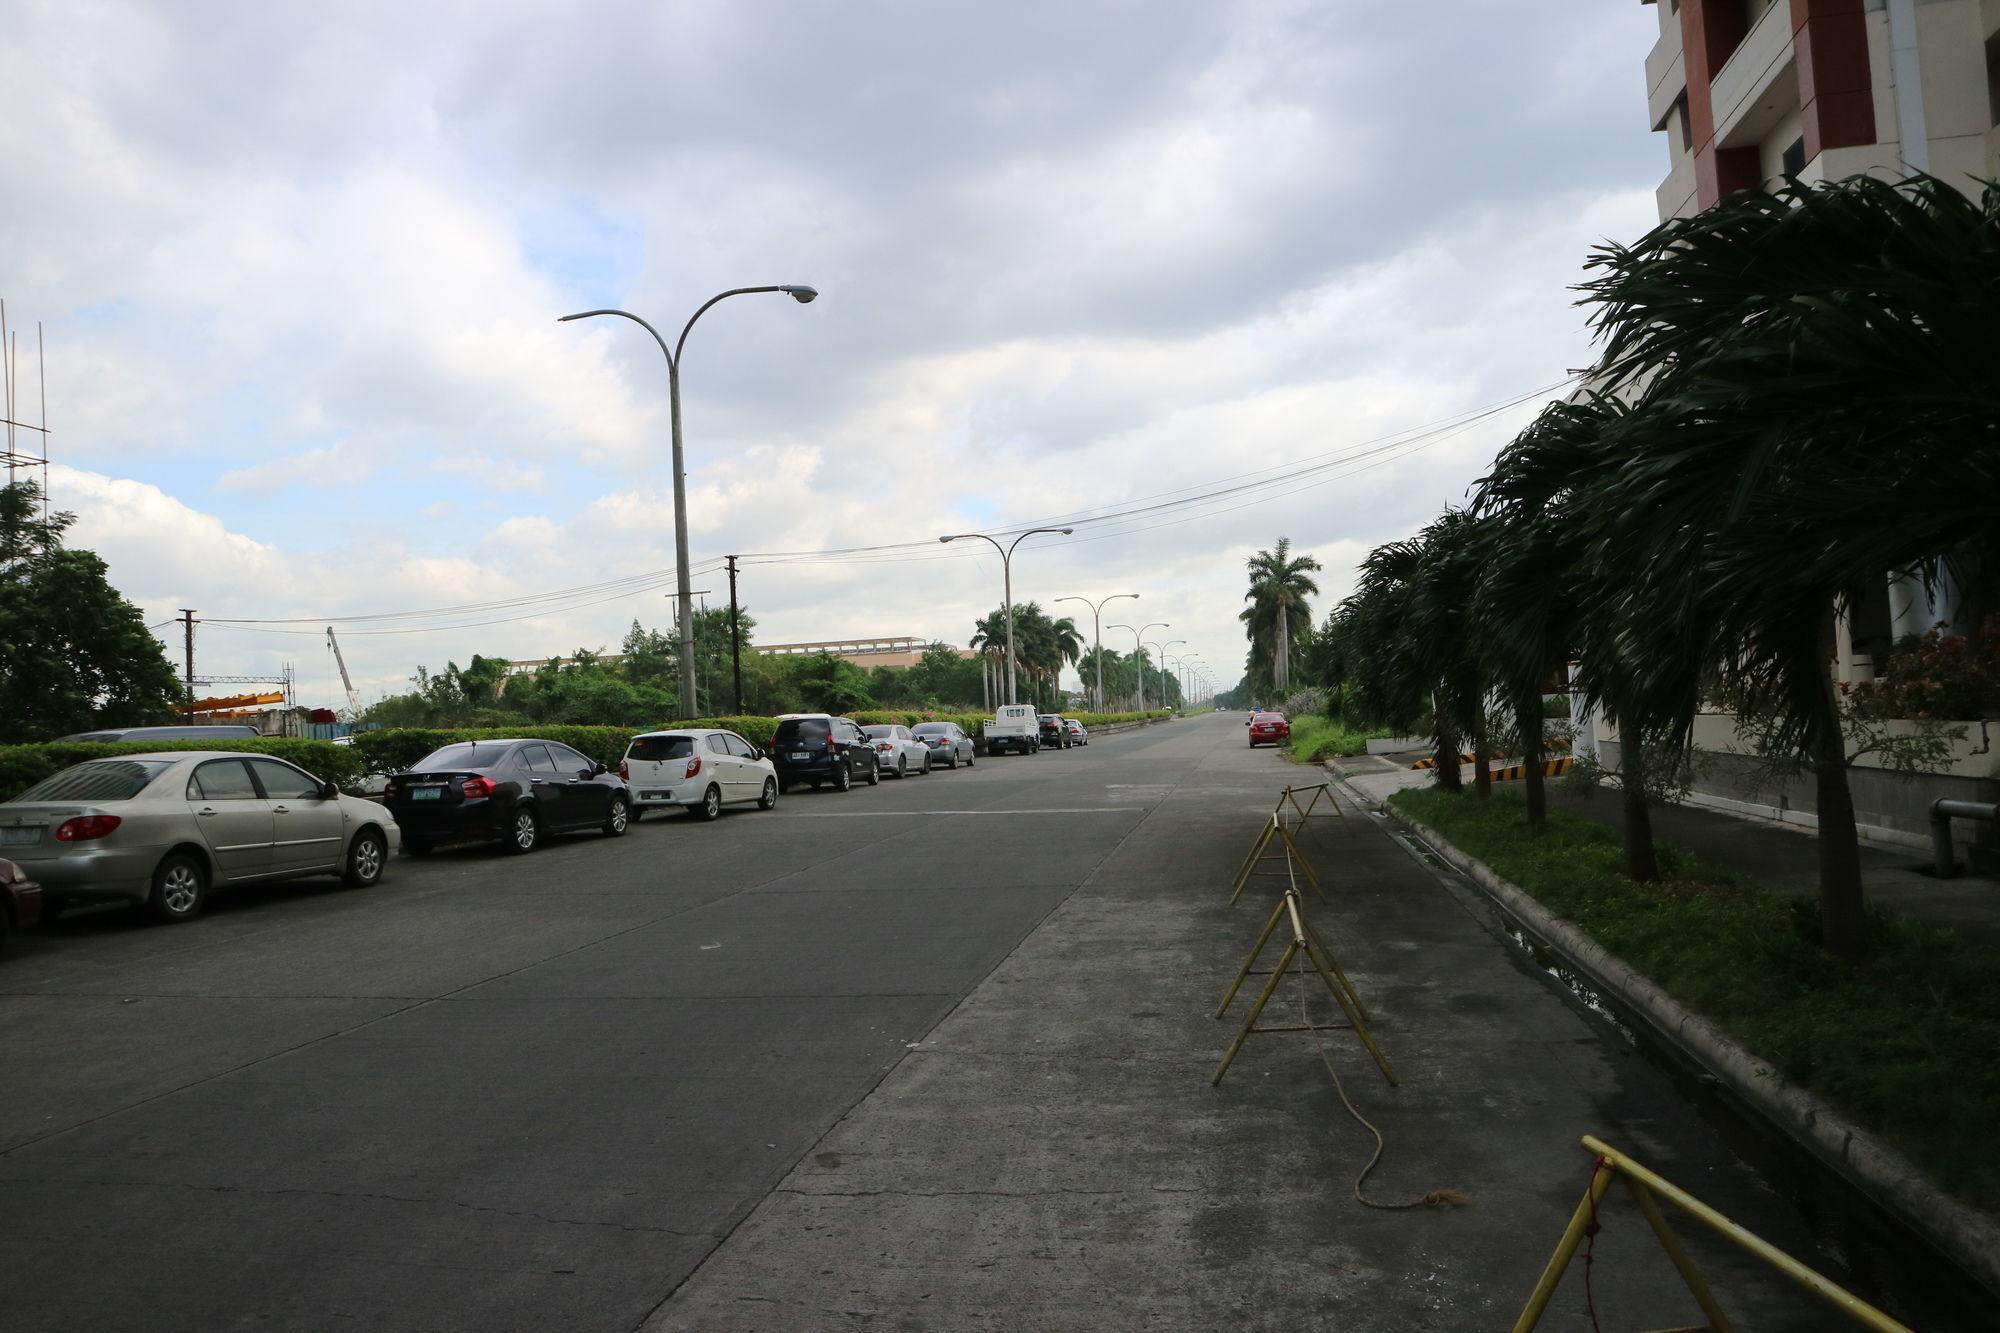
[[1440, 1198]]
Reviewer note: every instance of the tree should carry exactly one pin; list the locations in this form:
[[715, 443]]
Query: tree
[[1815, 386], [1278, 618], [78, 655]]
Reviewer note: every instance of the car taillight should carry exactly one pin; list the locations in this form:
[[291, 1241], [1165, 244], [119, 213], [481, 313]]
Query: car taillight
[[85, 827], [477, 786], [388, 791], [693, 768], [624, 771], [884, 746]]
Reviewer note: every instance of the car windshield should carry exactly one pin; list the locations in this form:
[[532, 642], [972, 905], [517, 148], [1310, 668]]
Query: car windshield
[[931, 729], [661, 747], [99, 780], [465, 755], [802, 729], [878, 733]]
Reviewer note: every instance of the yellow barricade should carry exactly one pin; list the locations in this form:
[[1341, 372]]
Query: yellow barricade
[[1305, 941], [1644, 1185], [1310, 810], [1274, 828]]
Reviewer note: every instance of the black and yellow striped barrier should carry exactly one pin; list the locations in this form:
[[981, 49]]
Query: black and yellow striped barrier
[[1463, 758], [1551, 768], [1644, 1185]]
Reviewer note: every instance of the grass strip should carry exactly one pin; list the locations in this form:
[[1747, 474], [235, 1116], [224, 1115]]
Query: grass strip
[[1315, 738], [1906, 1044]]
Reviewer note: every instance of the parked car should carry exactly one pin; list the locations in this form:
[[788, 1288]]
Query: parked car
[[1077, 734], [1268, 729], [219, 732], [510, 791], [1054, 736], [160, 829], [702, 768], [897, 751], [1013, 729], [20, 900], [820, 749], [947, 742]]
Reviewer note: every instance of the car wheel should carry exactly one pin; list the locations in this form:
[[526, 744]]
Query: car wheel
[[523, 833], [842, 777], [927, 766], [953, 761], [874, 771], [710, 806], [968, 761], [418, 846], [769, 800], [619, 818], [366, 856], [179, 884], [902, 767]]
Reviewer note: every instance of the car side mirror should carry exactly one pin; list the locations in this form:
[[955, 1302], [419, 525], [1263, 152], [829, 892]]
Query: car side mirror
[[327, 791]]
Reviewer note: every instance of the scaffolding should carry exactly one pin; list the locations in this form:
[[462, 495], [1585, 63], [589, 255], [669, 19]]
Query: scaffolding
[[19, 458]]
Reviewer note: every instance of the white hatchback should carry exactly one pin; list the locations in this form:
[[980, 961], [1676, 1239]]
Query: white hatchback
[[701, 768]]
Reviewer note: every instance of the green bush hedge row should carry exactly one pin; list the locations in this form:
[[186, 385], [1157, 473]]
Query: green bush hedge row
[[22, 766], [392, 751]]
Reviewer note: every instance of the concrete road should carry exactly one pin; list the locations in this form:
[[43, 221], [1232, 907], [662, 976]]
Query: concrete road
[[930, 1055]]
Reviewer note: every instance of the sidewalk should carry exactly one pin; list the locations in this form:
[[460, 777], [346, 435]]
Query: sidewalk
[[1783, 858], [1053, 1157]]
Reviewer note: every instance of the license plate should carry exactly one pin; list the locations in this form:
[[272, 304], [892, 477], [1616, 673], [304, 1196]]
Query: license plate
[[427, 793], [20, 837], [800, 754], [654, 795]]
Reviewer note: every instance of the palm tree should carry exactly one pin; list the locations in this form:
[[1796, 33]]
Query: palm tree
[[1815, 386], [1278, 616]]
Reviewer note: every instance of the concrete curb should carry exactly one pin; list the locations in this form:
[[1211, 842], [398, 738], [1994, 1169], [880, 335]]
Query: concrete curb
[[1969, 1237]]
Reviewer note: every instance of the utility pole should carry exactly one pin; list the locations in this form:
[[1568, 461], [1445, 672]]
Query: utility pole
[[735, 637], [187, 629]]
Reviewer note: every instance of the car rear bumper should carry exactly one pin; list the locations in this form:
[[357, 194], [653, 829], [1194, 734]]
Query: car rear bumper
[[103, 872]]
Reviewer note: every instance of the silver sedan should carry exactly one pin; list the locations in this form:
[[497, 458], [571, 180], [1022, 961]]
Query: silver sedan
[[159, 829], [947, 742]]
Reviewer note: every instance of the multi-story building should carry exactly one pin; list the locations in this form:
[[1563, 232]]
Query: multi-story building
[[1750, 90]]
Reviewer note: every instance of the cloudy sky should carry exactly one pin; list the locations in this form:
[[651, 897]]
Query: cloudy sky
[[298, 269]]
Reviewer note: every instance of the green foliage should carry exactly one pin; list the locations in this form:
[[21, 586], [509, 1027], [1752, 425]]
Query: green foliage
[[1936, 676], [1278, 621], [78, 655], [1900, 1041], [22, 766], [1315, 738]]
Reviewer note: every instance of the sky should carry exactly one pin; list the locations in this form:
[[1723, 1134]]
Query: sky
[[298, 269]]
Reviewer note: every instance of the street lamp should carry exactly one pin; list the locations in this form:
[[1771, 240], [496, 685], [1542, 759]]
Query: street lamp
[[1161, 649], [1139, 661], [1007, 593], [684, 596], [1097, 635]]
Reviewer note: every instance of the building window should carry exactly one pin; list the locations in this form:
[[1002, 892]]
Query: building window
[[1794, 159]]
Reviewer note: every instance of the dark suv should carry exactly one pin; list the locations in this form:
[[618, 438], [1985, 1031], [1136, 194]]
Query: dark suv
[[1055, 736], [815, 748]]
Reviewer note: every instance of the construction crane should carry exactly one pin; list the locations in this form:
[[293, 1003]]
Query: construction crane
[[353, 695]]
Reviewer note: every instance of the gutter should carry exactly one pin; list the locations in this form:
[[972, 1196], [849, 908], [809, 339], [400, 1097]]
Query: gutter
[[1963, 1234]]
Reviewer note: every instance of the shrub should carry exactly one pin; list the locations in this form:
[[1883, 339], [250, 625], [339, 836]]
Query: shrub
[[22, 766]]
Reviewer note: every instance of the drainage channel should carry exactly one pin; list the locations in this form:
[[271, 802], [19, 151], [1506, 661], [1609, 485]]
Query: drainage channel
[[1875, 1254]]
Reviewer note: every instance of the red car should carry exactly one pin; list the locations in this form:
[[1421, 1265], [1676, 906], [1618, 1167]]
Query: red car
[[1268, 729], [20, 899]]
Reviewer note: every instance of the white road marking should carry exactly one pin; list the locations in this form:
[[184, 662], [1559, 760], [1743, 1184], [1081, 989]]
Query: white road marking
[[892, 814]]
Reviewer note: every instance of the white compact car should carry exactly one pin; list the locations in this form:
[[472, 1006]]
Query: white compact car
[[701, 768], [897, 751]]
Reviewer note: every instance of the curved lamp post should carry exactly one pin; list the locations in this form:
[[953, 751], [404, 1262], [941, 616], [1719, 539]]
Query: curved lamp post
[[1097, 634], [1007, 590], [1138, 649], [684, 595], [1161, 649]]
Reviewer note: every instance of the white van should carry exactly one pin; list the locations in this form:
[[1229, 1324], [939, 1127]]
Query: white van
[[1014, 727]]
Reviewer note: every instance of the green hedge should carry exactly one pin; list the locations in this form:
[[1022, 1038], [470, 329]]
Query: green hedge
[[392, 751], [22, 766]]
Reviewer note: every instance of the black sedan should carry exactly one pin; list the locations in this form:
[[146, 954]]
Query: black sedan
[[514, 791]]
